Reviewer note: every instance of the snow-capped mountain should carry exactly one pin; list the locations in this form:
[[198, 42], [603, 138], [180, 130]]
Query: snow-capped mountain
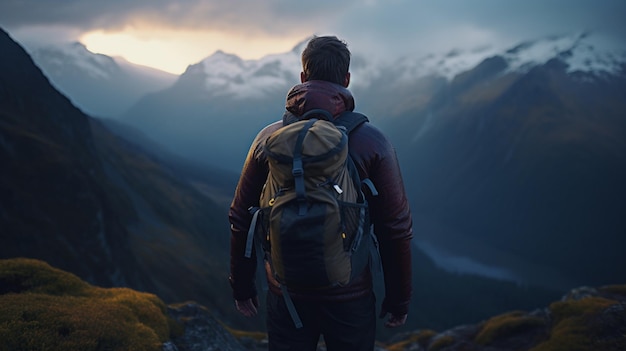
[[105, 86], [98, 84], [229, 75], [582, 52], [224, 98], [216, 101], [520, 154]]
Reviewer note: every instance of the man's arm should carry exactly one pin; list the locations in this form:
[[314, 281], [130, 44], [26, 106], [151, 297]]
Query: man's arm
[[393, 226], [251, 181]]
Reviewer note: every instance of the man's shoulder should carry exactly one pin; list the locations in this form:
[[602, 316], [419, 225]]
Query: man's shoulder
[[268, 130], [368, 130]]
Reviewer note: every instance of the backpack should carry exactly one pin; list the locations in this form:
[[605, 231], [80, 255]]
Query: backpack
[[313, 219]]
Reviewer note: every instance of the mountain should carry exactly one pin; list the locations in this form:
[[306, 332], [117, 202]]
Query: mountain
[[83, 199], [522, 155], [99, 85], [222, 100]]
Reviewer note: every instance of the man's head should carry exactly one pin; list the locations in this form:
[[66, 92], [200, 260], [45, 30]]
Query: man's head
[[326, 58]]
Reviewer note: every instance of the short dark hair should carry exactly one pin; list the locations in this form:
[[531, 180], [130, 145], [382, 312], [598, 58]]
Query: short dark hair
[[326, 58]]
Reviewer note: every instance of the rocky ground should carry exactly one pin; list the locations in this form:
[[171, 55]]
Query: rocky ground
[[585, 319]]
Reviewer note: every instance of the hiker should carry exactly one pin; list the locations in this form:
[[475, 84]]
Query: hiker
[[344, 314]]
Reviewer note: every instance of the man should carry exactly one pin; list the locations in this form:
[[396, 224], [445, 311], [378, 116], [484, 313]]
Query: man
[[346, 315]]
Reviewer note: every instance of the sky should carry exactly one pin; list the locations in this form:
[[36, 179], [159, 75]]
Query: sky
[[170, 35]]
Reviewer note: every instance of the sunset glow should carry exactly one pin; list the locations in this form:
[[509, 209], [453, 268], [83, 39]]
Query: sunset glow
[[173, 50]]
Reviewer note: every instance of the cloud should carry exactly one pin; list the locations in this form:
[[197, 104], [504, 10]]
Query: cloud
[[420, 27], [376, 28], [247, 16]]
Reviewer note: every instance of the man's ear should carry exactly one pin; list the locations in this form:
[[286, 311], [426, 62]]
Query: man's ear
[[302, 77], [346, 81]]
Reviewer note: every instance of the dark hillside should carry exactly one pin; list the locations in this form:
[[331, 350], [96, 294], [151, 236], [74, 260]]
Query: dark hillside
[[529, 164], [90, 202]]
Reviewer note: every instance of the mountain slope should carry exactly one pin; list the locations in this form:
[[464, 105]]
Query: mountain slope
[[222, 100], [518, 163], [51, 201], [99, 85], [85, 200]]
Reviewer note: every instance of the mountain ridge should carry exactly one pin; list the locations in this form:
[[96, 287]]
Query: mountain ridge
[[86, 77]]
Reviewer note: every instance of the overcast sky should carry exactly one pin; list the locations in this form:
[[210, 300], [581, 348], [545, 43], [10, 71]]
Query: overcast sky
[[174, 34]]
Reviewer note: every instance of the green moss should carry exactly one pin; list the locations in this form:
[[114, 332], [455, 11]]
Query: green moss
[[571, 329], [506, 325], [563, 310], [43, 308], [29, 275]]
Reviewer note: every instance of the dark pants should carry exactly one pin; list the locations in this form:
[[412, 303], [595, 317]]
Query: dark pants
[[346, 326]]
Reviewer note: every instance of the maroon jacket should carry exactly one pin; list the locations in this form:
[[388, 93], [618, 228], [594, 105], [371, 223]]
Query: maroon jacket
[[376, 159]]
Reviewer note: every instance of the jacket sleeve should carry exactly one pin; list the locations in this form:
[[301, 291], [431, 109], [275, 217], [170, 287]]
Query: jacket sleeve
[[251, 181], [390, 215]]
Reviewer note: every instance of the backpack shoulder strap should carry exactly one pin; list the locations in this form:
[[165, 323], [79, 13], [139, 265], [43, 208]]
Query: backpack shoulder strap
[[350, 120]]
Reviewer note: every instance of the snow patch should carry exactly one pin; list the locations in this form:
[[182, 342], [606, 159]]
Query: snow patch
[[586, 52], [228, 74], [76, 55]]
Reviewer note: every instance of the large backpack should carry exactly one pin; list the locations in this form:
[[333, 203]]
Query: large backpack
[[313, 218]]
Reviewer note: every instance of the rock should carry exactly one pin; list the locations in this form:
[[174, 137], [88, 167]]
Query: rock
[[202, 332]]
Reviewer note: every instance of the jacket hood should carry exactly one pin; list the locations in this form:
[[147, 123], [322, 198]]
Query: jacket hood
[[318, 94]]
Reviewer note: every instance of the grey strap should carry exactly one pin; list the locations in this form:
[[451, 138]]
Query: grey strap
[[371, 186], [291, 307], [251, 230]]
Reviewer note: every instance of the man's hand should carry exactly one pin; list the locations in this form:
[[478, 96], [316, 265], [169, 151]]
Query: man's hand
[[394, 320], [249, 307]]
